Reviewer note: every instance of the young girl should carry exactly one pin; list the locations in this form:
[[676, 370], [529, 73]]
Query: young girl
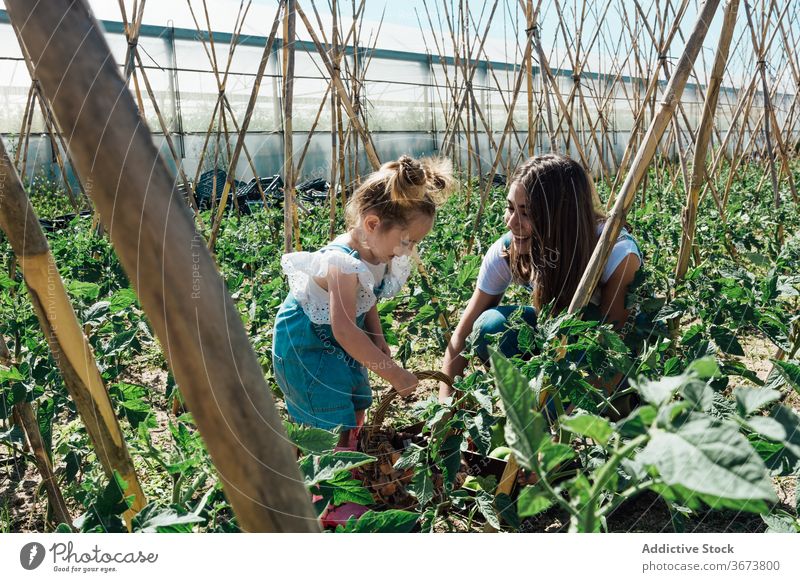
[[553, 226], [327, 332]]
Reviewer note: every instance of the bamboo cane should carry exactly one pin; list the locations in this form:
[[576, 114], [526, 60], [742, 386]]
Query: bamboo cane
[[643, 158], [499, 153], [703, 136], [288, 93], [341, 92], [770, 113], [242, 131]]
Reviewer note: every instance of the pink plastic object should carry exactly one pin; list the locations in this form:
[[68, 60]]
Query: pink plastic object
[[339, 515]]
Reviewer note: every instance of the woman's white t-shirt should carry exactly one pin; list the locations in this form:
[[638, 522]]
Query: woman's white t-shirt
[[495, 274]]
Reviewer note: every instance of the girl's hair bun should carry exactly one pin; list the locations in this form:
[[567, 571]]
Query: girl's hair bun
[[401, 188], [406, 181], [411, 171], [439, 173]]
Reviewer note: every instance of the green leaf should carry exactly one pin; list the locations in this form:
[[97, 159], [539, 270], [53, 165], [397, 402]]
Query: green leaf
[[767, 427], [450, 457], [6, 282], [672, 366], [311, 440], [533, 500], [698, 394], [480, 431], [410, 457], [154, 519], [421, 486], [637, 422], [426, 313], [734, 368], [507, 510], [705, 368], [554, 454], [525, 429], [670, 311], [12, 374], [594, 427], [390, 521], [83, 290], [318, 468], [781, 523], [343, 489], [751, 400], [789, 372], [711, 459], [485, 503], [692, 335], [726, 340], [778, 459], [658, 392], [790, 421], [122, 299]]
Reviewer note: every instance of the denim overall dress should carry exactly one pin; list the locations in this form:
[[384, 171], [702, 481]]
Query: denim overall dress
[[322, 384]]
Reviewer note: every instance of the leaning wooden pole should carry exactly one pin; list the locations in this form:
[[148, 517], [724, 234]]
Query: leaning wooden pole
[[176, 280], [644, 156], [60, 326], [702, 138]]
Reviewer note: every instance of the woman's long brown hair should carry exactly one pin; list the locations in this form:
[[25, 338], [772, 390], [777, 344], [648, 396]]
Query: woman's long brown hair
[[559, 199]]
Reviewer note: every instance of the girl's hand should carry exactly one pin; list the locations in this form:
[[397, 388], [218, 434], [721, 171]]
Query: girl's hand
[[380, 343], [405, 383]]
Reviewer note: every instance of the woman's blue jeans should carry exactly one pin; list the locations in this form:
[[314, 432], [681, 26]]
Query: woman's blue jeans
[[499, 320]]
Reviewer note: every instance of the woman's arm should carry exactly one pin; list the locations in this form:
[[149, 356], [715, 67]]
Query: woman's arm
[[612, 307], [614, 291], [454, 362], [342, 290]]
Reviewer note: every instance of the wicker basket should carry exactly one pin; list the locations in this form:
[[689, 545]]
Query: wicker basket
[[388, 485]]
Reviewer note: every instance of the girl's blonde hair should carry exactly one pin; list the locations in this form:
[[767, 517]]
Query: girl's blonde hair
[[400, 189]]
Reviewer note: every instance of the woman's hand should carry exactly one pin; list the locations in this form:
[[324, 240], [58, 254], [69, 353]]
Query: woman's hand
[[454, 363]]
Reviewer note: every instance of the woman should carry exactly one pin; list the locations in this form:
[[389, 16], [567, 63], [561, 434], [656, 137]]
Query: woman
[[553, 225]]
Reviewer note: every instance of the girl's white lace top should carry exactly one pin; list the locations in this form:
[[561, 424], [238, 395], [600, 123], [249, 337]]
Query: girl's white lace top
[[302, 267]]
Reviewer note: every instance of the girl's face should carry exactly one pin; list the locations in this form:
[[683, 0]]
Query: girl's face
[[517, 218], [397, 240]]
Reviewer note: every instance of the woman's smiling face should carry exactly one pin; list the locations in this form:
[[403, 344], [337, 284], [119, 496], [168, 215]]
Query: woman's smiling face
[[517, 218]]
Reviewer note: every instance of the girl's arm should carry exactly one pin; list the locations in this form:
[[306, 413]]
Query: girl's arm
[[454, 362], [342, 290], [372, 325]]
